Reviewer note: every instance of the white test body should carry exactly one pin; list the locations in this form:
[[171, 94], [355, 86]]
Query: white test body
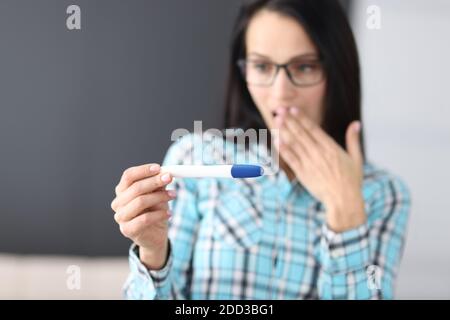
[[198, 171]]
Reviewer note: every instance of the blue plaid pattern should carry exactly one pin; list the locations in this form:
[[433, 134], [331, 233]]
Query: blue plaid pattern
[[267, 238]]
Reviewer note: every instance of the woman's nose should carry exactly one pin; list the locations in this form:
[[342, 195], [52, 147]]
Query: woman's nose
[[282, 86]]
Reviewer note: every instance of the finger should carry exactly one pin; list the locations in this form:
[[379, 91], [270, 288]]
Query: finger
[[311, 154], [317, 134], [160, 206], [141, 203], [141, 187], [296, 135], [292, 158], [133, 174], [133, 228], [353, 142]]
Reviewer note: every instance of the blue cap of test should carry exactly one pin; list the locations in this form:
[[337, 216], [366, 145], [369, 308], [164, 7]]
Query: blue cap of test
[[246, 171]]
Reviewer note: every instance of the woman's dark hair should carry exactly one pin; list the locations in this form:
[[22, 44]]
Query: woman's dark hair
[[327, 26]]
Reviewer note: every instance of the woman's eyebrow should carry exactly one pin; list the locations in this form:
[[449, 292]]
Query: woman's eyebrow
[[305, 55], [258, 54], [299, 56]]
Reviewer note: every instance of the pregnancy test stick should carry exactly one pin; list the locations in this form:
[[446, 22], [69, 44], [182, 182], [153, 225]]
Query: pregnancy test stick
[[214, 171]]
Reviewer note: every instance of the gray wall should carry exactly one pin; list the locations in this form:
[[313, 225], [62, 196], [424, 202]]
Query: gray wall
[[406, 118], [78, 107]]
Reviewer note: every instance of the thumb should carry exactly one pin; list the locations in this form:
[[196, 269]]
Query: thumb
[[353, 143]]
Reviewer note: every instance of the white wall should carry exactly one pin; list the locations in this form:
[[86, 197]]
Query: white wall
[[406, 87]]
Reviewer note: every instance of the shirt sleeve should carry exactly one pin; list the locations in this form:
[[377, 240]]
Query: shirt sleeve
[[173, 280], [362, 263], [143, 283]]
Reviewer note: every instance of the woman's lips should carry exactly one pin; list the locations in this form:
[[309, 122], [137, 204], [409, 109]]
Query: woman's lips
[[281, 111]]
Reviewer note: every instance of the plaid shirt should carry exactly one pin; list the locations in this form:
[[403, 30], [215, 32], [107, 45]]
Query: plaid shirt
[[267, 238]]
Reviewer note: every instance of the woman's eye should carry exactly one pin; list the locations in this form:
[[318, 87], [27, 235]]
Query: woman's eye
[[261, 66], [304, 67]]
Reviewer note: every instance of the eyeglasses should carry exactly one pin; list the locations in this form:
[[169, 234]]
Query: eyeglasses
[[302, 73]]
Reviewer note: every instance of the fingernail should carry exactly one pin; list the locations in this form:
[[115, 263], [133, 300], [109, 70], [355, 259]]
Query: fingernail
[[357, 126], [165, 177], [171, 193], [293, 110], [154, 168]]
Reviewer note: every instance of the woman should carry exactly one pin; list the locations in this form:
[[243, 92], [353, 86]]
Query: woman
[[328, 225]]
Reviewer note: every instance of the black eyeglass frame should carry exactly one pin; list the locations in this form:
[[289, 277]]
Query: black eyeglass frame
[[241, 63]]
